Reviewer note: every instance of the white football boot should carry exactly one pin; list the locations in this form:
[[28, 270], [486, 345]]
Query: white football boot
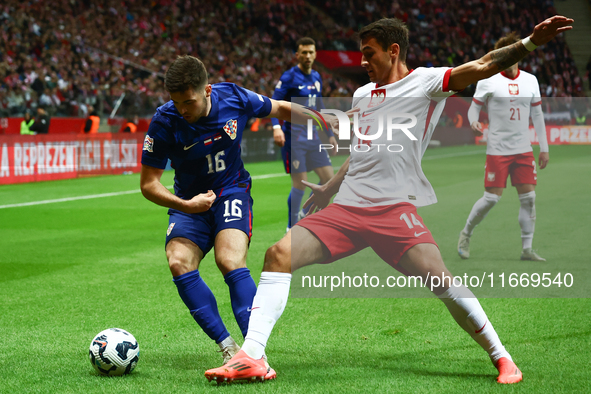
[[464, 245], [228, 348], [529, 254]]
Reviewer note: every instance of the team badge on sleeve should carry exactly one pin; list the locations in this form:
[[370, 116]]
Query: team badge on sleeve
[[149, 144], [230, 128]]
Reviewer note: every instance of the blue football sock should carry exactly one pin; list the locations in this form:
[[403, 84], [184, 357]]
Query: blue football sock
[[242, 291], [293, 205], [305, 210], [202, 304]]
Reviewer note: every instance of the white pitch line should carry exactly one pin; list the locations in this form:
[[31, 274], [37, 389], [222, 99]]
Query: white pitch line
[[472, 152], [90, 196]]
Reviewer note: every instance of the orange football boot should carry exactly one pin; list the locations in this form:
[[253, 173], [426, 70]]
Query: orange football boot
[[242, 368], [508, 371]]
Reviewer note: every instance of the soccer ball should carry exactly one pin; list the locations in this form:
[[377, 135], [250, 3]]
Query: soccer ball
[[114, 352]]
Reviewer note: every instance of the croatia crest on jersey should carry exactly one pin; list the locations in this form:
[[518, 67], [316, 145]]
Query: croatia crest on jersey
[[231, 127], [149, 144], [378, 96], [170, 229], [513, 89]]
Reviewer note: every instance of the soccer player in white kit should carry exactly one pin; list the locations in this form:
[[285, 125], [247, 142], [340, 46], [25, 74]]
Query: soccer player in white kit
[[511, 97], [378, 194]]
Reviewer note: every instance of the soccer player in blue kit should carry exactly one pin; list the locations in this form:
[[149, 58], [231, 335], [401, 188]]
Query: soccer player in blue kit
[[200, 131], [299, 154]]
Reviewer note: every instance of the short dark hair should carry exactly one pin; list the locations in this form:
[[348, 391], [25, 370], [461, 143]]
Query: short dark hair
[[388, 31], [186, 72], [509, 39], [305, 41]]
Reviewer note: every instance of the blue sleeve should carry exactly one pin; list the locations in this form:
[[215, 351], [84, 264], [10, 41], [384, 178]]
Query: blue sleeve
[[156, 146], [280, 92], [256, 105]]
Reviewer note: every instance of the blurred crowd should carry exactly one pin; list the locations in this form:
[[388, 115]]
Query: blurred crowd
[[67, 55], [448, 33]]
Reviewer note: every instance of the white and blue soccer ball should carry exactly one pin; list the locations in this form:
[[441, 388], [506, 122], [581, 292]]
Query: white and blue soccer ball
[[114, 352]]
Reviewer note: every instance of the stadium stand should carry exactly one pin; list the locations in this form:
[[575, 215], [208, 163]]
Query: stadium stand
[[72, 55]]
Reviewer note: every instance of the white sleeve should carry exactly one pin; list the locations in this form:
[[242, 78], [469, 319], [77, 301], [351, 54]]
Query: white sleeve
[[474, 112], [434, 82], [478, 101], [537, 117]]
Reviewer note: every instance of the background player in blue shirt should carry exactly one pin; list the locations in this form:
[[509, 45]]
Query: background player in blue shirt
[[200, 131], [299, 154]]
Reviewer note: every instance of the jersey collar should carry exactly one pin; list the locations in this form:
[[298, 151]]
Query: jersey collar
[[378, 86], [508, 77]]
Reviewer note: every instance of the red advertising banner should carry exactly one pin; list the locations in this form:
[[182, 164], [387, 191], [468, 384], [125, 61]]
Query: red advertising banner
[[33, 158], [56, 125], [557, 135], [69, 125], [339, 59]]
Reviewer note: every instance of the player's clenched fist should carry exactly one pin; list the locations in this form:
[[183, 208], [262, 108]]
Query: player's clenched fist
[[201, 202]]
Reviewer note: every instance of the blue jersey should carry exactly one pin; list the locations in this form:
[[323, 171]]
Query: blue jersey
[[294, 83], [206, 154]]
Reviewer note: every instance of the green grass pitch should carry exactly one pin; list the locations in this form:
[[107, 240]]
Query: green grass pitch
[[71, 269]]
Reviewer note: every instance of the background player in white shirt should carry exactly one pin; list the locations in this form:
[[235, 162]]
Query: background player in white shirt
[[511, 97], [345, 227]]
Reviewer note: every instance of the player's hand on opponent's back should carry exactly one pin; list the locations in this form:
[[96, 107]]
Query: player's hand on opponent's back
[[543, 159], [319, 199], [278, 136], [550, 28], [476, 128], [201, 202]]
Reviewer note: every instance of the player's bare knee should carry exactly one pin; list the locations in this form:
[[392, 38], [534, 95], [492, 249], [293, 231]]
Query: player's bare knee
[[178, 265], [277, 258], [180, 259], [230, 263]]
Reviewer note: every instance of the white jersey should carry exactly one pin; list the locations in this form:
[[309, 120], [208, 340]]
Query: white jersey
[[509, 102], [387, 170]]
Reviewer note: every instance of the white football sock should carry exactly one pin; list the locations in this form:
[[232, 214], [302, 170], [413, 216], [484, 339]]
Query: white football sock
[[480, 210], [267, 307], [227, 342], [466, 310], [527, 218]]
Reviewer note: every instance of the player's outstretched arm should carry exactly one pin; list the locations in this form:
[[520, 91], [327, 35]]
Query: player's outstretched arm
[[323, 193], [155, 191], [298, 114], [502, 58]]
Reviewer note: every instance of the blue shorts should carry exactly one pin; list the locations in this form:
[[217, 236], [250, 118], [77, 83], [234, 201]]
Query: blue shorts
[[233, 210], [303, 157]]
